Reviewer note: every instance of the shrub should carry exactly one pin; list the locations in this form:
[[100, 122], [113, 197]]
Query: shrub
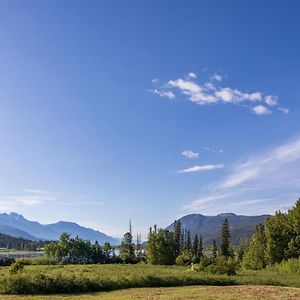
[[221, 265], [184, 259], [291, 266], [205, 262], [17, 267], [6, 261]]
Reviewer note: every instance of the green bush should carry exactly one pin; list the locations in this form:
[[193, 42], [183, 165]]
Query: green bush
[[221, 265], [184, 259], [6, 261], [205, 262], [291, 266], [17, 267]]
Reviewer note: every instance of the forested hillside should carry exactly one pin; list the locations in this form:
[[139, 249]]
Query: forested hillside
[[10, 242]]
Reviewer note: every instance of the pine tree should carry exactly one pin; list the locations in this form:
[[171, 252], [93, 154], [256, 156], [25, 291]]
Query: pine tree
[[182, 241], [241, 249], [177, 237], [214, 250], [255, 257], [195, 245], [200, 247], [127, 247], [138, 247], [160, 247], [225, 236], [188, 241]]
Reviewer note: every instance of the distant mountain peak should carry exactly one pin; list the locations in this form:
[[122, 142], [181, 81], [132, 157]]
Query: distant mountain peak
[[16, 216], [16, 225], [241, 227], [227, 215]]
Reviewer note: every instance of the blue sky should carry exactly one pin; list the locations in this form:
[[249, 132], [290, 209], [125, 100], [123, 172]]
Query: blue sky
[[149, 110]]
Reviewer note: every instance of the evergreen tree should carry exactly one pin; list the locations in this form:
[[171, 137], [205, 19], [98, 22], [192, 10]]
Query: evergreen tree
[[160, 247], [225, 239], [177, 238], [278, 234], [195, 245], [182, 241], [127, 247], [255, 257], [200, 247], [188, 241], [152, 253], [138, 247], [293, 250], [241, 249], [214, 250]]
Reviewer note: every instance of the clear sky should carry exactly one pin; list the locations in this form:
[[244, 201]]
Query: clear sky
[[148, 110]]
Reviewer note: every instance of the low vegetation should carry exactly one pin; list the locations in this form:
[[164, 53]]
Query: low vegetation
[[177, 293], [55, 279]]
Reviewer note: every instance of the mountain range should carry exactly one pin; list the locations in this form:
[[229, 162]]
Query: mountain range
[[16, 225], [241, 227]]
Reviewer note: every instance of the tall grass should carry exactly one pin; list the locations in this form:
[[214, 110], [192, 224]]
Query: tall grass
[[44, 279]]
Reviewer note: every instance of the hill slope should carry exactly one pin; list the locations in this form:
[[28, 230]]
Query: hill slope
[[16, 225], [210, 226]]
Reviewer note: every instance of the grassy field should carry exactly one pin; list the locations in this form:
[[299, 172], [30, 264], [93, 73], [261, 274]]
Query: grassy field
[[93, 278], [177, 293]]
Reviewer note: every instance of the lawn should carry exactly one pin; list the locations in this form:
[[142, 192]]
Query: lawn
[[93, 278]]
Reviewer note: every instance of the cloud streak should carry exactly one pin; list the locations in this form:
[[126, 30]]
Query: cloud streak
[[190, 154], [201, 168], [34, 197], [269, 178]]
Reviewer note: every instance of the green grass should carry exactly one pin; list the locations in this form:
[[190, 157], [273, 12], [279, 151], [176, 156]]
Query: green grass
[[92, 278], [177, 293]]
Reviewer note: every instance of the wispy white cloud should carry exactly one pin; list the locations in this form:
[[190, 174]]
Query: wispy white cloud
[[251, 202], [192, 75], [81, 203], [37, 191], [271, 100], [284, 110], [194, 205], [217, 77], [211, 92], [30, 197], [201, 168], [268, 163], [261, 110], [15, 201], [34, 197], [190, 154], [270, 178], [162, 93], [208, 149]]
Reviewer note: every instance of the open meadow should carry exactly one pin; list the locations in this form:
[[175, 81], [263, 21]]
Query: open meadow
[[178, 293], [70, 279]]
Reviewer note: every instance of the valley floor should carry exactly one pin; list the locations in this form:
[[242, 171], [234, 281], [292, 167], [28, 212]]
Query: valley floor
[[178, 293]]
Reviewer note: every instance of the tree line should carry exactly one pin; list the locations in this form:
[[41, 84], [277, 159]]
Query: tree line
[[273, 242], [18, 243]]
